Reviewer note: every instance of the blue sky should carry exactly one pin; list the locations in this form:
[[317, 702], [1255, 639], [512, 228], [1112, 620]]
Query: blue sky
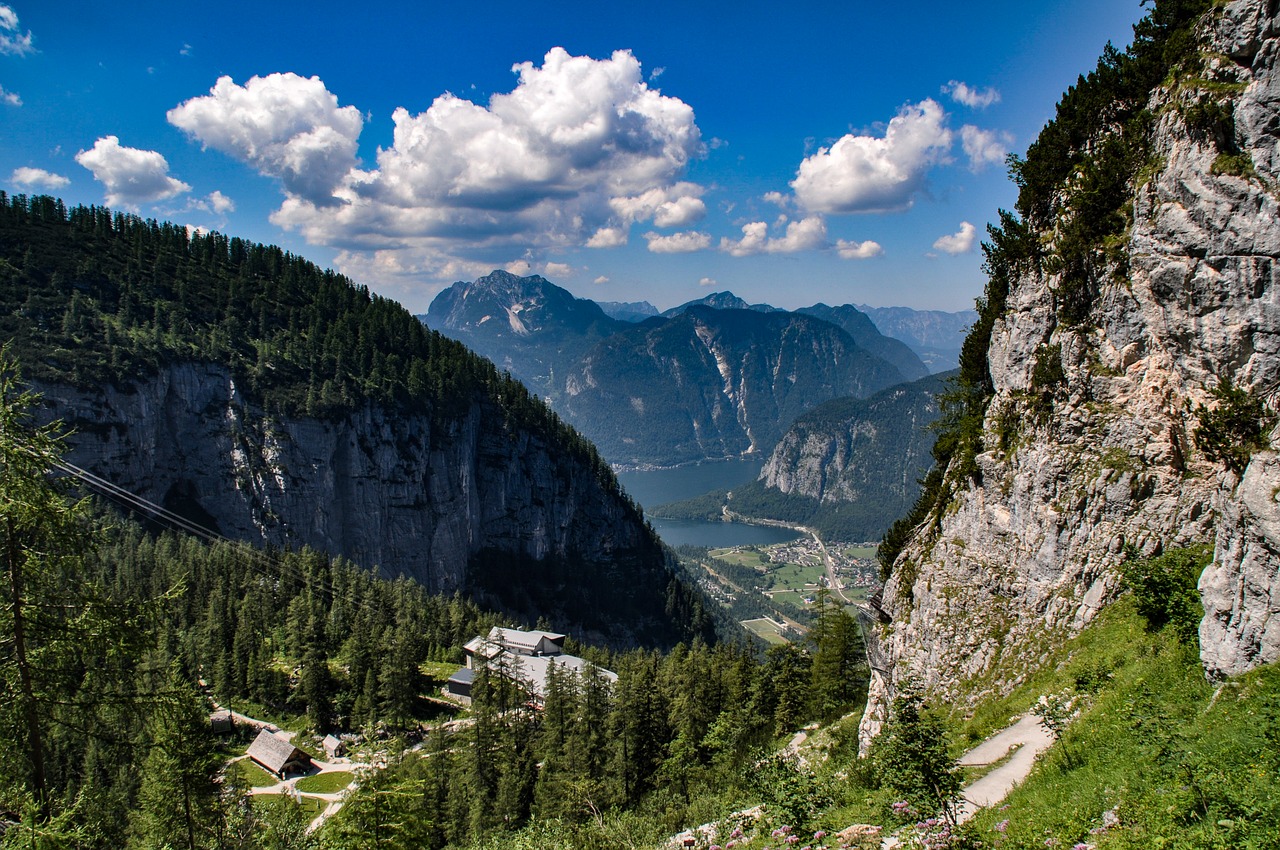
[[836, 152]]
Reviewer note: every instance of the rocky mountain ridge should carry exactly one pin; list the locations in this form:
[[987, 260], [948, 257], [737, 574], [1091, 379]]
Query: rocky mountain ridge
[[846, 448], [712, 383], [526, 325], [718, 406], [1088, 451]]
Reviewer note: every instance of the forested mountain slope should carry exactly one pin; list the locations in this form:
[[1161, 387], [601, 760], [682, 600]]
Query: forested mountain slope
[[278, 403], [1115, 392]]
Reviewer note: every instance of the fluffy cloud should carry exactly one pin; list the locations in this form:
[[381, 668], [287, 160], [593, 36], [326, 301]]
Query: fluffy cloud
[[284, 125], [131, 176], [678, 205], [37, 178], [960, 242], [707, 281], [608, 237], [601, 279], [800, 235], [10, 98], [984, 147], [876, 174], [851, 250], [220, 203], [969, 96], [12, 41], [575, 153], [678, 243]]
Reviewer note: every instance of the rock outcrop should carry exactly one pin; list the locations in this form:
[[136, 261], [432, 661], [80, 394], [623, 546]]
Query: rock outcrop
[[1026, 553], [854, 465]]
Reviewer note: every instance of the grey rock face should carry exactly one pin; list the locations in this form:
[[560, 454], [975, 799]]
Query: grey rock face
[[383, 490], [1028, 556]]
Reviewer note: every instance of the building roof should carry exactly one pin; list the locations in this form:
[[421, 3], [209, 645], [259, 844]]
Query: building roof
[[464, 676], [536, 670], [483, 647], [528, 642], [274, 753]]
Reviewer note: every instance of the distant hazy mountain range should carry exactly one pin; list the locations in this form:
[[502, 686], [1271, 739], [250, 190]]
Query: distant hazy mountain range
[[711, 378], [932, 334], [715, 377]]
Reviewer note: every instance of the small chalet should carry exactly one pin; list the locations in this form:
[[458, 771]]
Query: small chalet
[[530, 654], [460, 683], [277, 755], [222, 722], [334, 747]]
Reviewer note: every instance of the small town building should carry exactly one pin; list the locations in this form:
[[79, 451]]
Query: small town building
[[277, 755]]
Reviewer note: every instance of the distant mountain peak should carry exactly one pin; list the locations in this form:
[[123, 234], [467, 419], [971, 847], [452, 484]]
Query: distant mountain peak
[[721, 301]]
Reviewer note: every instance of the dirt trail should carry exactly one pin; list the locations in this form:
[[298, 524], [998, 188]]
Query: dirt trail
[[1027, 739], [1021, 742]]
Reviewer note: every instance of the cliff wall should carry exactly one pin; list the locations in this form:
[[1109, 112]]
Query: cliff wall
[[1027, 553], [384, 490]]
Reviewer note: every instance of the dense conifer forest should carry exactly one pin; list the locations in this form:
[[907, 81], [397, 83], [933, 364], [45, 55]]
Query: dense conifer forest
[[118, 640], [90, 295]]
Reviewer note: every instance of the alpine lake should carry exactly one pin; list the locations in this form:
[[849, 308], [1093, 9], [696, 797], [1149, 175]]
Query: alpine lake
[[653, 487]]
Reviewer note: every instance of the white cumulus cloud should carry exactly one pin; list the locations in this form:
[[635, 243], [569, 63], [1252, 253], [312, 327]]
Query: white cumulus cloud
[[608, 237], [284, 125], [601, 279], [984, 147], [853, 250], [684, 242], [678, 205], [861, 173], [708, 281], [12, 41], [960, 242], [220, 203], [37, 178], [969, 96], [130, 176], [575, 153], [10, 98], [806, 234]]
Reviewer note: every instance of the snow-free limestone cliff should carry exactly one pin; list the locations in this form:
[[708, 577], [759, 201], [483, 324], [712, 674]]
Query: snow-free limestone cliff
[[442, 503], [1088, 445]]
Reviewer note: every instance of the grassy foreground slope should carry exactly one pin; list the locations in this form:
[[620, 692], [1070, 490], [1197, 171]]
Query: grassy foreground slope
[[1156, 756]]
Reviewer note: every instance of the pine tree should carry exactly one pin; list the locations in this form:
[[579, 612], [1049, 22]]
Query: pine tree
[[178, 797]]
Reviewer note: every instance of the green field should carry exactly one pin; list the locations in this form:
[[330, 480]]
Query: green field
[[766, 629], [325, 783], [856, 594], [743, 557], [791, 597], [796, 576], [860, 552]]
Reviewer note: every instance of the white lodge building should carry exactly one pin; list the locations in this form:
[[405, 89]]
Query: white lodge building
[[529, 654]]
